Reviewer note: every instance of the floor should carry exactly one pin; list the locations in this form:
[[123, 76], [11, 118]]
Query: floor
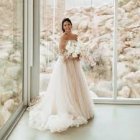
[[111, 122]]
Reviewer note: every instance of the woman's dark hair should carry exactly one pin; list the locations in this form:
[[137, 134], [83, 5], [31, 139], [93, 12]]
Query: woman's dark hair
[[64, 20]]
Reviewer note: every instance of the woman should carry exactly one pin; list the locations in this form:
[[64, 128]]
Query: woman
[[66, 102]]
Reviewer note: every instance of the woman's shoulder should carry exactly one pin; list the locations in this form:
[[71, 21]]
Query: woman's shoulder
[[75, 35], [63, 36]]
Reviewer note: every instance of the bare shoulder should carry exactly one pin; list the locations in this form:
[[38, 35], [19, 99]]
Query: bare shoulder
[[63, 37]]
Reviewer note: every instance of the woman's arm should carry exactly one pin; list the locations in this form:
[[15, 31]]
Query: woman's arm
[[62, 45]]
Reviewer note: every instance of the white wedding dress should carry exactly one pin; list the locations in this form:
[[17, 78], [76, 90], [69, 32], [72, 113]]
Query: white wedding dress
[[66, 102]]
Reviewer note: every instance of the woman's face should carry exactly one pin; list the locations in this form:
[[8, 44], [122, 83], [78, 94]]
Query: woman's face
[[67, 27]]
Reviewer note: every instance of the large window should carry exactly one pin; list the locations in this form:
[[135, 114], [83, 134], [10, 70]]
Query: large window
[[110, 29], [128, 49], [93, 22], [11, 58]]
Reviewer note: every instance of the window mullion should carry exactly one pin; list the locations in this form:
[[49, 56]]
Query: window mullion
[[115, 50]]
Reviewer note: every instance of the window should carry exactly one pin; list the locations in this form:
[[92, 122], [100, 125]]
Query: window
[[128, 50], [93, 22], [11, 60], [112, 40]]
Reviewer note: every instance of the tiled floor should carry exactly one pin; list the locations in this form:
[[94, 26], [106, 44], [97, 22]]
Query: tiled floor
[[111, 122]]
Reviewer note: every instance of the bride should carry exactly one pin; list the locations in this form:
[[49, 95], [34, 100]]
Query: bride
[[66, 102]]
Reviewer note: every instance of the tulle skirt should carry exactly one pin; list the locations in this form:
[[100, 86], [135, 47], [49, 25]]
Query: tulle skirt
[[66, 102]]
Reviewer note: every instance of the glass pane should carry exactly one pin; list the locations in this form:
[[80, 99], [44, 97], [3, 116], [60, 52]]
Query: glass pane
[[11, 57], [93, 22], [128, 49], [47, 54]]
